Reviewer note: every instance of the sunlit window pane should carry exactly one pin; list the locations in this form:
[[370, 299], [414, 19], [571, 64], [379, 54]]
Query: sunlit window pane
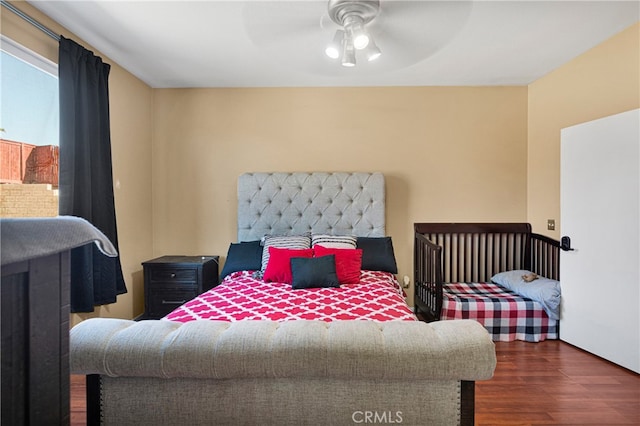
[[29, 119]]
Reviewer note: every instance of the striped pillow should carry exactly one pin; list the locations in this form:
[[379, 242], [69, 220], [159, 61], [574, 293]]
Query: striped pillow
[[289, 242], [333, 241]]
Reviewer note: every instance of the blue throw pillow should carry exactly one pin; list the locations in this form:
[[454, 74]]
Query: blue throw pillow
[[314, 272], [244, 256], [377, 254], [543, 290]]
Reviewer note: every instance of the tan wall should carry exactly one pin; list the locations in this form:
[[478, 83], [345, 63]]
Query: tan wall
[[449, 154], [131, 127], [601, 82]]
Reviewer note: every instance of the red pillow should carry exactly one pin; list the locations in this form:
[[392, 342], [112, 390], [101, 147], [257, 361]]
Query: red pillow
[[348, 262], [279, 266]]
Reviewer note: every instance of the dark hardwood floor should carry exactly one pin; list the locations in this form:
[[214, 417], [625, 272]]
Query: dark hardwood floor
[[546, 383], [78, 402], [554, 383]]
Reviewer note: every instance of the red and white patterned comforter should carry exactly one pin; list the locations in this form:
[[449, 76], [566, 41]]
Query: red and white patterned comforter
[[239, 297]]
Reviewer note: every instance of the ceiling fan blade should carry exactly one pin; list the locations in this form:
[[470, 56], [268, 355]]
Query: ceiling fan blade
[[408, 32], [275, 21]]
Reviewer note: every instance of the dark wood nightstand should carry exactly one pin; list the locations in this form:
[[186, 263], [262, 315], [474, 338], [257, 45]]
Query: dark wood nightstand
[[170, 281]]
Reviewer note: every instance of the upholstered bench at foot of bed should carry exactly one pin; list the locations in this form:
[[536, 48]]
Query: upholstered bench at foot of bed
[[296, 372]]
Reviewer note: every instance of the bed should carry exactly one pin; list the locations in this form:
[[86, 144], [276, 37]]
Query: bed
[[309, 216], [500, 274], [259, 351]]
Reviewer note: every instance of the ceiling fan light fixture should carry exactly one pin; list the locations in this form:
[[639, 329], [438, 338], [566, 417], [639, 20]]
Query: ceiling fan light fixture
[[360, 41], [348, 53], [355, 29], [372, 51], [352, 16], [334, 48]]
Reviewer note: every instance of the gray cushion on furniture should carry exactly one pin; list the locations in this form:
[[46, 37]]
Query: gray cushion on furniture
[[324, 203], [457, 349], [298, 373], [28, 238]]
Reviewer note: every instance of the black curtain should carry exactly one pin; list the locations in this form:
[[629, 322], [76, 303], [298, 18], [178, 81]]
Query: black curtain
[[86, 179]]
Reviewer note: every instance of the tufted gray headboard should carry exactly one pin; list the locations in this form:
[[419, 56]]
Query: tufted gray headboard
[[323, 203]]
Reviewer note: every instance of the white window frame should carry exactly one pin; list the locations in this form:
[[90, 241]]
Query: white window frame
[[17, 50]]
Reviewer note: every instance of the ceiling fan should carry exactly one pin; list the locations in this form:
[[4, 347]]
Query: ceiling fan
[[319, 36], [352, 16]]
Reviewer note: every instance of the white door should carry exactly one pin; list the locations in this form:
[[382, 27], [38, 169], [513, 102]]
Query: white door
[[600, 212]]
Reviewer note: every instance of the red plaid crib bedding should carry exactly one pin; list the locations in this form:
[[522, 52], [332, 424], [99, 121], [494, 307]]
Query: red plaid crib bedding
[[239, 297], [506, 315]]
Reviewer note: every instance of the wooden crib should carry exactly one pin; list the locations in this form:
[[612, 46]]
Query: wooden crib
[[473, 253]]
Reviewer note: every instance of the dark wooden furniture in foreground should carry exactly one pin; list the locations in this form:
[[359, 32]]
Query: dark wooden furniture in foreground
[[35, 259], [474, 252], [35, 341], [170, 281]]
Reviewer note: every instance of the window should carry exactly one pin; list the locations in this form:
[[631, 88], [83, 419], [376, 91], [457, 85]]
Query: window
[[29, 119]]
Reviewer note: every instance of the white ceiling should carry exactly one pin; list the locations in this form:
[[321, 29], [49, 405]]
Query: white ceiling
[[281, 43]]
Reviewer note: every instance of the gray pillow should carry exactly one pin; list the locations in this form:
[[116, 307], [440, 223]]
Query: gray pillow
[[377, 254], [314, 272], [243, 256]]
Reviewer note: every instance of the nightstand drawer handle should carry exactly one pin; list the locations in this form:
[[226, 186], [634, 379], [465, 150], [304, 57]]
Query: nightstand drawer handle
[[173, 302], [173, 275]]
